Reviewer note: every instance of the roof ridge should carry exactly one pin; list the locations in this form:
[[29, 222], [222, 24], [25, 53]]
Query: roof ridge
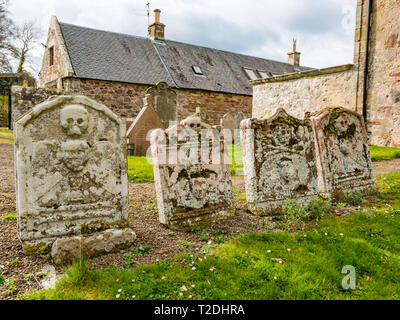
[[180, 42], [231, 52], [107, 31]]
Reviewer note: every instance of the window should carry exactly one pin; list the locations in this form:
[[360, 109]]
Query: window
[[251, 74], [51, 56], [273, 74], [197, 70], [263, 74]]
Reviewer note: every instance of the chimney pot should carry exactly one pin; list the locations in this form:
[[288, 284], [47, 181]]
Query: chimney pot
[[157, 15]]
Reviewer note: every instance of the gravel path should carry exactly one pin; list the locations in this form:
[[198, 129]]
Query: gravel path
[[26, 269]]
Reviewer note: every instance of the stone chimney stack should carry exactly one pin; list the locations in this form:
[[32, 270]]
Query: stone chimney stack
[[156, 30], [294, 56]]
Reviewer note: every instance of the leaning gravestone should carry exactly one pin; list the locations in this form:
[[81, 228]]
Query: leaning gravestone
[[279, 162], [71, 179], [192, 175], [343, 159], [164, 102]]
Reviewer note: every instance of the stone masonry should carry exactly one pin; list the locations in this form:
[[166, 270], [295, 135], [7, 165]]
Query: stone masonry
[[71, 175], [279, 162], [25, 98], [192, 175]]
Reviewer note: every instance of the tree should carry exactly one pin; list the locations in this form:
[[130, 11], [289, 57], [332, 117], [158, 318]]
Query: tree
[[27, 37], [7, 36]]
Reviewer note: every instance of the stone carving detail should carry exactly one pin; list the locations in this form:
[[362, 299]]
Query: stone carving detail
[[344, 161], [192, 175], [70, 171], [164, 102], [279, 162]]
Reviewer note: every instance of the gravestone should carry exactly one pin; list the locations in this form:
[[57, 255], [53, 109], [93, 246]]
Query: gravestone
[[239, 117], [138, 133], [192, 175], [228, 122], [343, 160], [164, 102], [71, 178], [279, 162]]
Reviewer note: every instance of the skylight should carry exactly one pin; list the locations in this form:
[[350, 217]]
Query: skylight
[[251, 74], [197, 70], [263, 74]]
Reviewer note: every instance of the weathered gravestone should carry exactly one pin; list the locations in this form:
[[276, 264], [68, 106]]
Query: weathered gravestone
[[343, 157], [138, 133], [279, 162], [192, 175], [71, 179], [164, 102]]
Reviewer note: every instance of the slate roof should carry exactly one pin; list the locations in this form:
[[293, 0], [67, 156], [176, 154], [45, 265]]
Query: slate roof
[[110, 56]]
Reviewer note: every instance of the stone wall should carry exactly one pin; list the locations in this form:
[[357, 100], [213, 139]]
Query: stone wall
[[312, 90], [217, 104], [383, 99], [303, 92], [25, 98], [126, 99]]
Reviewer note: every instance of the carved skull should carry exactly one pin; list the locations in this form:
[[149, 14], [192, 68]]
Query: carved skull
[[74, 120], [192, 122]]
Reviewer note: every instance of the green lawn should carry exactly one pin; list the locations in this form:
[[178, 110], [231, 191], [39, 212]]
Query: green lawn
[[248, 267], [384, 153]]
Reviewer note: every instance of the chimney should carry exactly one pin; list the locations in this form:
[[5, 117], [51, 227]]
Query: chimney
[[156, 30], [294, 56]]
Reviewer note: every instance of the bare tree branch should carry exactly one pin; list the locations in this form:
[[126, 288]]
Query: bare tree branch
[[27, 39], [7, 36]]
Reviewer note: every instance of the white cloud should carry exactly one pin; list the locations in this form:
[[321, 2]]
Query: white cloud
[[324, 29]]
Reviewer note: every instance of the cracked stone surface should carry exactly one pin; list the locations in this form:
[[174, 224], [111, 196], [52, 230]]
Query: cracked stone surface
[[343, 158], [193, 184], [279, 162]]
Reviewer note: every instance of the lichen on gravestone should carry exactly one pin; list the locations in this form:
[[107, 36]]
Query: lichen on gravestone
[[71, 173]]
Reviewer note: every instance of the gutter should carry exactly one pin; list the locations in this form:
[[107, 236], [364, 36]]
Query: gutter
[[366, 66]]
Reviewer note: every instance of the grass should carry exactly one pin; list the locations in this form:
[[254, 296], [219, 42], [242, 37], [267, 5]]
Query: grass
[[281, 265], [140, 169], [384, 153], [6, 136]]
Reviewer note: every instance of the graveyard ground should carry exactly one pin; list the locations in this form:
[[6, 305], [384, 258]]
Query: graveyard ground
[[160, 262]]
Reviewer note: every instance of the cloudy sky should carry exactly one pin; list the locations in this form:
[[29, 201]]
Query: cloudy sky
[[265, 28]]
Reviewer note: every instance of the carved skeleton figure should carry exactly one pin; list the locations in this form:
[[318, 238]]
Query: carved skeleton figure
[[78, 170]]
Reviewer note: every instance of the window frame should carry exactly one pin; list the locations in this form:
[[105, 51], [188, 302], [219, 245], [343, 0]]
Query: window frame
[[251, 70], [51, 56], [197, 72]]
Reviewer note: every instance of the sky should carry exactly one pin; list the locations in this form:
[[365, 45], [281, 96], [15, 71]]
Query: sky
[[324, 30]]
